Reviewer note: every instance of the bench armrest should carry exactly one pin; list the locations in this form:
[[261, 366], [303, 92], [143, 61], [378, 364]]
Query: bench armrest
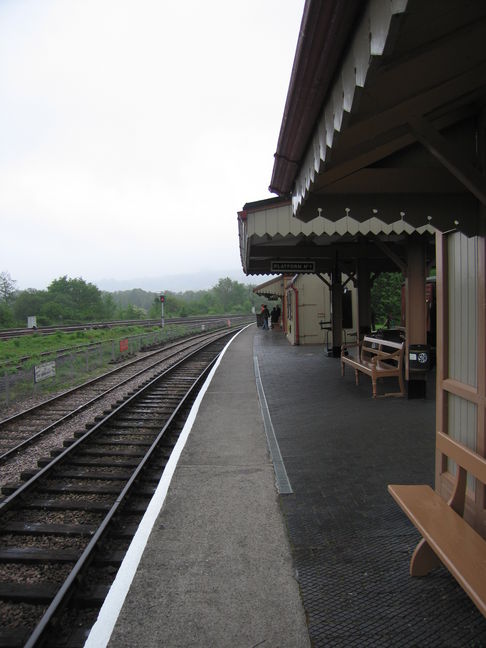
[[348, 345]]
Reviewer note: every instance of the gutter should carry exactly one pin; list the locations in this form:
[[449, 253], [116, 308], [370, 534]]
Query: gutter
[[323, 38]]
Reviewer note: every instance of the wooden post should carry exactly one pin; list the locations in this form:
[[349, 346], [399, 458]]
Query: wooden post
[[337, 310], [442, 357], [415, 311], [364, 298], [481, 431]]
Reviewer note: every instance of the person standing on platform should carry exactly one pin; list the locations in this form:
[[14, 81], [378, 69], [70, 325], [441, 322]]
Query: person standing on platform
[[260, 316], [265, 315], [274, 317]]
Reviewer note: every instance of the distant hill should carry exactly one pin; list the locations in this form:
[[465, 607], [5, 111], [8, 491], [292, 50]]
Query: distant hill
[[176, 283]]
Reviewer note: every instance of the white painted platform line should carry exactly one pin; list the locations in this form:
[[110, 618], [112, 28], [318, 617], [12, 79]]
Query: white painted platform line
[[101, 631], [281, 478]]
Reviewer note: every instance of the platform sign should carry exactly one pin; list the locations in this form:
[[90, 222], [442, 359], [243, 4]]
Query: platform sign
[[292, 267], [123, 345], [31, 321], [44, 371]]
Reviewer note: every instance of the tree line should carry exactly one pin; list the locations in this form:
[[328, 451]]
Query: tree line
[[75, 301]]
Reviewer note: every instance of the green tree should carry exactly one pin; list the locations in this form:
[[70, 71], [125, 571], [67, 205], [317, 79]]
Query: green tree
[[29, 302], [7, 288], [231, 295], [386, 297], [253, 299], [132, 312], [205, 302], [173, 306], [155, 309], [6, 316], [136, 297], [108, 306], [52, 312], [80, 301]]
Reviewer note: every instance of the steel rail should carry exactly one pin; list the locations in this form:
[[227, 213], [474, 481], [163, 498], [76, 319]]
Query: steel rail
[[7, 502], [87, 555], [80, 348], [91, 381], [49, 428], [47, 330]]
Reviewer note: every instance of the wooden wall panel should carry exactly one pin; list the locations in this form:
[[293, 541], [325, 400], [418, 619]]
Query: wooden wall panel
[[461, 358], [463, 307]]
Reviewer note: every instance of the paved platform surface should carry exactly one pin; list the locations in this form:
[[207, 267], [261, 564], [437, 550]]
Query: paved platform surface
[[231, 563], [217, 570], [351, 543]]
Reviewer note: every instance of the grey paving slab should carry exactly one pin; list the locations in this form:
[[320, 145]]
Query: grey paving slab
[[217, 571], [351, 544]]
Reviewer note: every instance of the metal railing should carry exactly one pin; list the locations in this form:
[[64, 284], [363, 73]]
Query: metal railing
[[70, 367]]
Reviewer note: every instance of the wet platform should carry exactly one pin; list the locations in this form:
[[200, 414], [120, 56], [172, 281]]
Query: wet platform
[[229, 561]]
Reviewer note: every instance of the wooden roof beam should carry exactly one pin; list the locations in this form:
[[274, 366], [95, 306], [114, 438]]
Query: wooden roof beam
[[391, 255], [447, 155], [324, 280]]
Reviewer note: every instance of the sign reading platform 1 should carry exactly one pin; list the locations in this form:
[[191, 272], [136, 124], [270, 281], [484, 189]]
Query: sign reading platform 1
[[293, 266]]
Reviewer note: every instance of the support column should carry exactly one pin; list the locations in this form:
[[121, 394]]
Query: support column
[[442, 359], [364, 298], [480, 498], [337, 310], [415, 312]]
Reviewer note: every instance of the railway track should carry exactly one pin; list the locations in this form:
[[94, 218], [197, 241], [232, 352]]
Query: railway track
[[38, 428], [48, 330], [64, 531]]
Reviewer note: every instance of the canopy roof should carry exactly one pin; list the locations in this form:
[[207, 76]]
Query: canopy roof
[[270, 238], [399, 125], [272, 289]]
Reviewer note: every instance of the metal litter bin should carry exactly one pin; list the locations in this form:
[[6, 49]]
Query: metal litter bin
[[419, 357]]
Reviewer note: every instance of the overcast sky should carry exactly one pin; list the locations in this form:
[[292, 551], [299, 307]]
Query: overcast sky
[[132, 131]]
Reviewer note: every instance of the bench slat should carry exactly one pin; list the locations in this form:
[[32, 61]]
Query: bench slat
[[382, 342], [459, 547]]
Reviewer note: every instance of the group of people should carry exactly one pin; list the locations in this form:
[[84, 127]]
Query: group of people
[[274, 316]]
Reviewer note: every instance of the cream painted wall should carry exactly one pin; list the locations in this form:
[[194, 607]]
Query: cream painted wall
[[314, 304]]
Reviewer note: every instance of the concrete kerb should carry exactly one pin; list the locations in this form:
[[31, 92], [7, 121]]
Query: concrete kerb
[[216, 569]]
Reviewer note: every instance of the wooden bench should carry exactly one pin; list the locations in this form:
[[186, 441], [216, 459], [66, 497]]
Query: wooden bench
[[376, 358], [446, 537]]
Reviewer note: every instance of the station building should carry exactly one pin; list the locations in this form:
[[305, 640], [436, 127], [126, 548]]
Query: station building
[[380, 165]]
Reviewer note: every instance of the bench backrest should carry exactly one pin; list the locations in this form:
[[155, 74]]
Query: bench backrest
[[379, 343], [473, 463], [383, 349]]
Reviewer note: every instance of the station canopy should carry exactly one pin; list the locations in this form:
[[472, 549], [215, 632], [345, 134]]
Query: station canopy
[[272, 240], [384, 115], [272, 289], [381, 139]]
